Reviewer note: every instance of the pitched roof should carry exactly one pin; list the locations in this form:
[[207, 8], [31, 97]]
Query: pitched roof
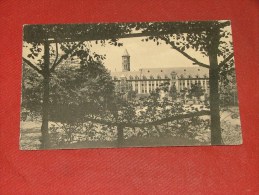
[[125, 53], [126, 74], [181, 72]]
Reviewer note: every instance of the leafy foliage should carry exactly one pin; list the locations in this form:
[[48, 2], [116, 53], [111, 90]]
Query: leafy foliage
[[140, 111], [74, 91], [196, 90], [88, 89], [32, 90]]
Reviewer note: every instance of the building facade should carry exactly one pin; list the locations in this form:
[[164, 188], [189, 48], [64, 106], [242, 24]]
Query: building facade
[[149, 79]]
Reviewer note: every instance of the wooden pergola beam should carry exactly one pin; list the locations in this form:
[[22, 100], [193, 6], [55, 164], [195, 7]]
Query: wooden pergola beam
[[58, 33], [151, 123]]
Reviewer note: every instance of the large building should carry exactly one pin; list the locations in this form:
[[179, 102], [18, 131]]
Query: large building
[[146, 80]]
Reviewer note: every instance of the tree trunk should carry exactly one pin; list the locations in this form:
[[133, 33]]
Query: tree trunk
[[45, 142], [120, 138], [213, 36]]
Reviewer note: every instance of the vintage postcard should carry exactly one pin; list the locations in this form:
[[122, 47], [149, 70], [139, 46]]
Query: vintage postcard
[[144, 84]]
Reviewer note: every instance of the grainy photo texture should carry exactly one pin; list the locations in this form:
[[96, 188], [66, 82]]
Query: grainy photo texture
[[144, 84]]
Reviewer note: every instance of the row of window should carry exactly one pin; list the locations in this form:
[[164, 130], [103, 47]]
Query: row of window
[[144, 88], [158, 82], [159, 77], [152, 85], [188, 83]]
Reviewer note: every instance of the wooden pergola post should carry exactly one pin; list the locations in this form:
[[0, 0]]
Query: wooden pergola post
[[120, 135], [213, 43], [45, 140]]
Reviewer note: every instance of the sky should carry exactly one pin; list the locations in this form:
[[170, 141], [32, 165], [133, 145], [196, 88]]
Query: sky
[[144, 55]]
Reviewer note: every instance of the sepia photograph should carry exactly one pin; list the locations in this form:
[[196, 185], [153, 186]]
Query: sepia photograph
[[115, 85]]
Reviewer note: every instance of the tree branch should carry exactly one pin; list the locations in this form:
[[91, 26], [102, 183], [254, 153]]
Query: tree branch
[[226, 60], [185, 54], [32, 65], [64, 56], [190, 58]]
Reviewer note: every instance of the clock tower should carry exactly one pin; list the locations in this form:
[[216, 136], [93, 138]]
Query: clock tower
[[125, 61]]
